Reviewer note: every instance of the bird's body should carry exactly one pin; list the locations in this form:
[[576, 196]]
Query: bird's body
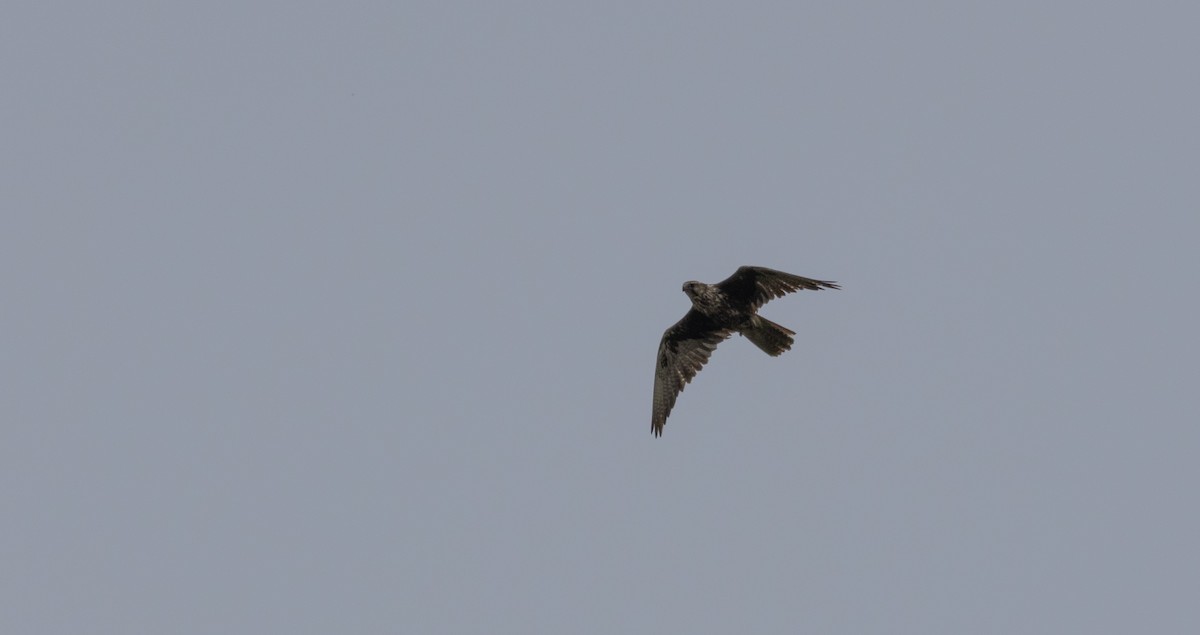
[[718, 311]]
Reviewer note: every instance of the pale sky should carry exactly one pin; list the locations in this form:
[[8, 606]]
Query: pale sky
[[342, 318]]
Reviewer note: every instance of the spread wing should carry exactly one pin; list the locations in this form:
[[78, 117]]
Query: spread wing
[[755, 286], [684, 350]]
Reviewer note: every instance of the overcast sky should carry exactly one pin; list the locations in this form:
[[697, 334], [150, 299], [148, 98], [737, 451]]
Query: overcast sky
[[342, 317]]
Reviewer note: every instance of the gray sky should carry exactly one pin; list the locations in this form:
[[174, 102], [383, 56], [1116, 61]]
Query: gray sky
[[341, 318]]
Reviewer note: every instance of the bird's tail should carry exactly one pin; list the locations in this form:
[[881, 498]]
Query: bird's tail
[[772, 338]]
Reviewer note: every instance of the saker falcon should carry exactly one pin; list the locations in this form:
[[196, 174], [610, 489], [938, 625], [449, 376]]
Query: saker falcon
[[718, 311]]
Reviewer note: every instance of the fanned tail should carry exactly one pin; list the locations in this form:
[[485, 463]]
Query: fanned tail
[[772, 338]]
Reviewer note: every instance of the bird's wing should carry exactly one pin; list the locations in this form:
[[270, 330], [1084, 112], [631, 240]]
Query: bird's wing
[[684, 350], [755, 286]]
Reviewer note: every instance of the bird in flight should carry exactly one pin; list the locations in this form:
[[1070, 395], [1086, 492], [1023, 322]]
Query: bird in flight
[[718, 311]]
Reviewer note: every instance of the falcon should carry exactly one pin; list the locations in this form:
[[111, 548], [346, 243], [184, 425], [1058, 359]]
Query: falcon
[[718, 311]]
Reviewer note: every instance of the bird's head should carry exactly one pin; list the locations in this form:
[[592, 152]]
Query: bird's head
[[691, 288]]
